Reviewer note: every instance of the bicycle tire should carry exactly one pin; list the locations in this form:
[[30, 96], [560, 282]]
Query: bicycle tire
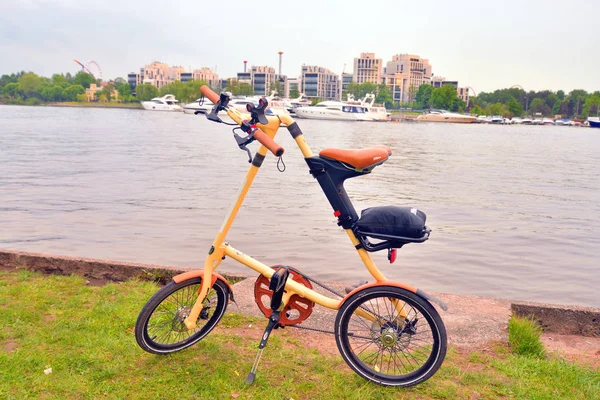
[[177, 300], [389, 334]]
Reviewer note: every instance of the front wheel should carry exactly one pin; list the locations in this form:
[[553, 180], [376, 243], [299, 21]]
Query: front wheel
[[160, 328], [390, 336]]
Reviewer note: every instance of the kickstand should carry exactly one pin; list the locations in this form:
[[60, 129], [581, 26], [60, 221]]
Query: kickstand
[[277, 285], [273, 321]]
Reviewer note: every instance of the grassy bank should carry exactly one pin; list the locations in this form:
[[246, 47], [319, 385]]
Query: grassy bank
[[85, 334], [79, 104], [96, 105]]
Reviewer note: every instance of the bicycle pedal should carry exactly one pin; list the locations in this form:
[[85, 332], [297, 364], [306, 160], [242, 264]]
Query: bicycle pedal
[[277, 285], [350, 288]]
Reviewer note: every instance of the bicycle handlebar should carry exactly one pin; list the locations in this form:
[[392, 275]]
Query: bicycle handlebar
[[259, 135]]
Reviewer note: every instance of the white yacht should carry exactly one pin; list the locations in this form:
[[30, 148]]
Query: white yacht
[[376, 113], [446, 116], [334, 110], [200, 106], [516, 120], [301, 101], [165, 103]]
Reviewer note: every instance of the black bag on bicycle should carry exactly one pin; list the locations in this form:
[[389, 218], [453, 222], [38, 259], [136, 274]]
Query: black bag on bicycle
[[392, 221]]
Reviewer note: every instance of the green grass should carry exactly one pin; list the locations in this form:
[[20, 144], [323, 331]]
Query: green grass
[[524, 337], [85, 334]]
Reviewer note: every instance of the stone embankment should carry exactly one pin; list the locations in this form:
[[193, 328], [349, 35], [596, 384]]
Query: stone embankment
[[471, 321]]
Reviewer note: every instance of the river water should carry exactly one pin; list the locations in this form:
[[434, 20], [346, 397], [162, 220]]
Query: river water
[[513, 209]]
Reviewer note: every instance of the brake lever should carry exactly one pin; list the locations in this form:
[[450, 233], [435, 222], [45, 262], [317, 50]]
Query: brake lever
[[243, 142]]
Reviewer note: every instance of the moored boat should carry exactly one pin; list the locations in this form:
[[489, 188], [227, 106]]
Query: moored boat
[[334, 110], [165, 103], [594, 122], [446, 116]]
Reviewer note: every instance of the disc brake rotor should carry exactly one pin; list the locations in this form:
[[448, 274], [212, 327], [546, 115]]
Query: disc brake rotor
[[297, 309]]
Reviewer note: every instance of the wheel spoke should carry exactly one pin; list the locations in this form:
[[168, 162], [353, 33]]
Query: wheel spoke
[[393, 342]]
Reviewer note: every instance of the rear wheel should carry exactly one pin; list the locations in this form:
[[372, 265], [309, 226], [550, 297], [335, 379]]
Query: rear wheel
[[382, 346], [160, 328]]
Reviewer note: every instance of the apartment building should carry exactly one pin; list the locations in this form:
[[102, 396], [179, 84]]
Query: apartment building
[[319, 82], [160, 74], [404, 74], [462, 92], [261, 78], [203, 74], [347, 78], [367, 68]]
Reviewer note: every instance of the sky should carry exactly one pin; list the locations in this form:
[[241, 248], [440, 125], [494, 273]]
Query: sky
[[535, 44]]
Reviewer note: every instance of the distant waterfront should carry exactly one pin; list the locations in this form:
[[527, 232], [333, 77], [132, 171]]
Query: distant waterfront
[[513, 208]]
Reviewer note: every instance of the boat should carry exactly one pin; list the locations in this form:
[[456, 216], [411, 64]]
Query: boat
[[334, 110], [537, 121], [594, 122], [446, 116], [516, 120], [496, 119], [563, 122], [200, 106], [482, 119], [375, 112], [301, 101], [547, 121], [527, 121], [165, 103]]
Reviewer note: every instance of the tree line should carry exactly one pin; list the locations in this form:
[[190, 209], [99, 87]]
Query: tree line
[[30, 88], [516, 102]]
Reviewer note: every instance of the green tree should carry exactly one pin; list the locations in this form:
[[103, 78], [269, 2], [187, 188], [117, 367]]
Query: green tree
[[145, 92], [52, 93], [12, 90], [442, 97], [107, 92], [81, 97], [495, 109], [476, 110], [560, 94], [458, 105], [84, 79], [557, 107], [276, 86], [538, 106], [70, 92], [30, 84], [60, 80], [423, 96], [239, 88], [412, 93], [514, 107], [124, 91], [120, 81], [294, 93], [591, 107], [384, 96]]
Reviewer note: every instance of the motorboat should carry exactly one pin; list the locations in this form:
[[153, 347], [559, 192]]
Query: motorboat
[[165, 103], [516, 120], [563, 122], [446, 116], [301, 101], [482, 119], [200, 106], [594, 122], [334, 110], [547, 121], [537, 121], [527, 121], [497, 119], [375, 112]]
